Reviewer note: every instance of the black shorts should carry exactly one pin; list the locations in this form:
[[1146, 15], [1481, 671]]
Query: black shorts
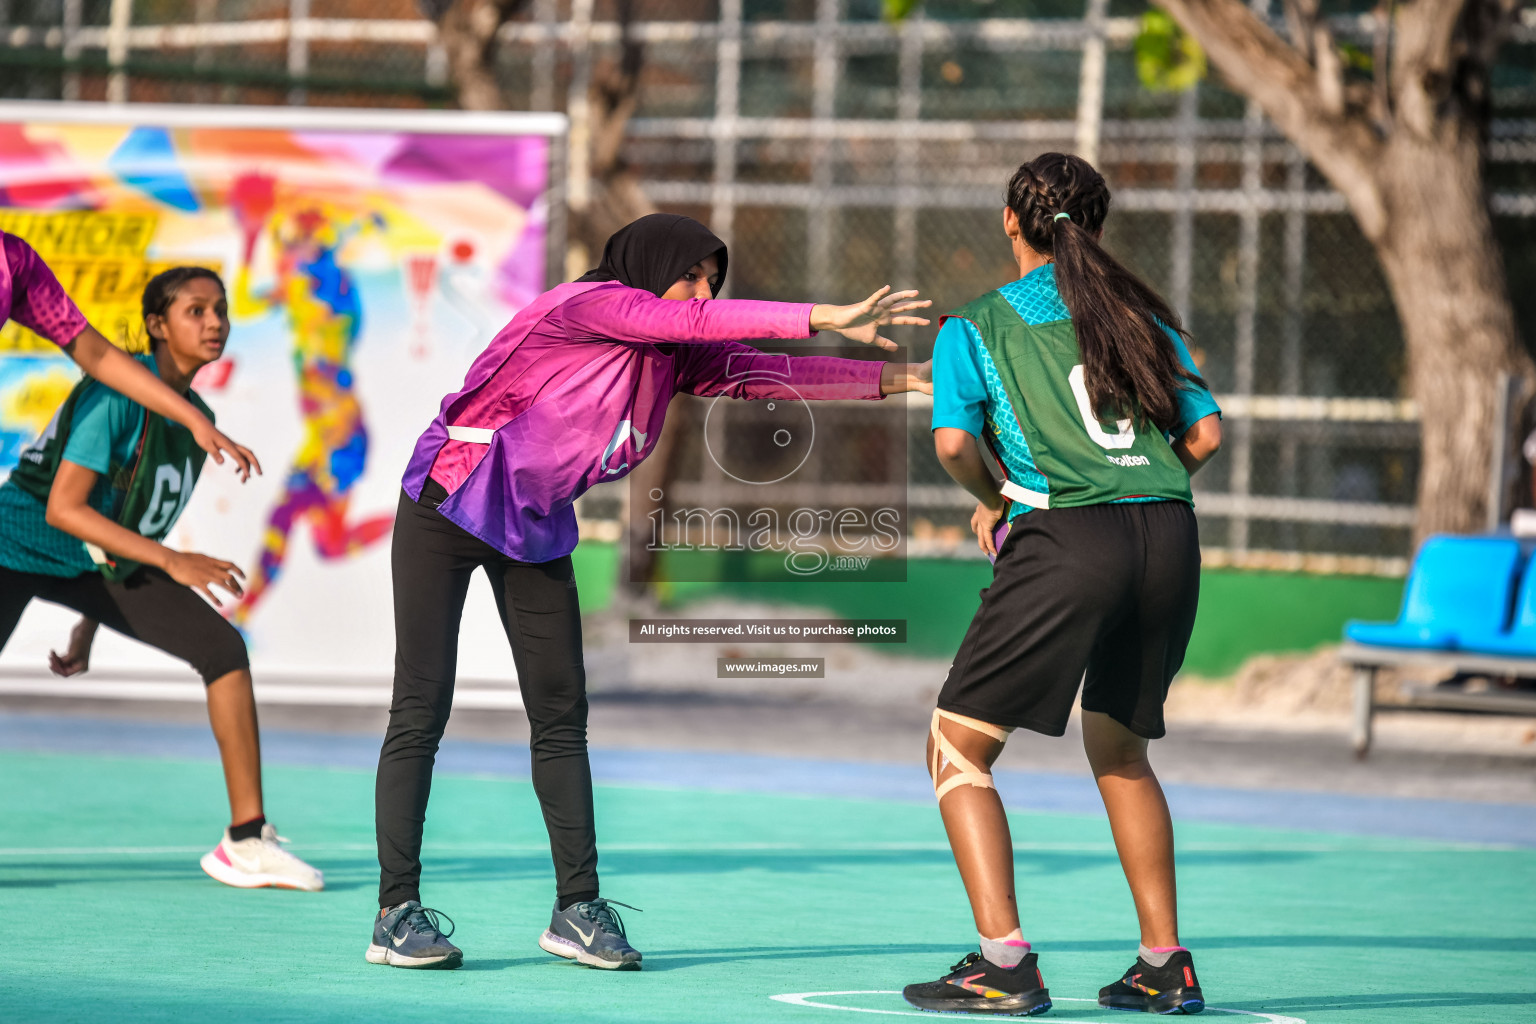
[[1106, 590], [148, 606]]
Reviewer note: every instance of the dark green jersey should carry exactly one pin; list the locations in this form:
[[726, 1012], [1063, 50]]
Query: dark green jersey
[[152, 486], [1084, 461]]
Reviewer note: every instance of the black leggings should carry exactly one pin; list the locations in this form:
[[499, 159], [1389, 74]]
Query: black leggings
[[148, 606], [432, 562]]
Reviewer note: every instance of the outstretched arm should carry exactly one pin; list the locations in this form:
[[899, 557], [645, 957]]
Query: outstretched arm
[[741, 371], [122, 373], [617, 313], [862, 320], [39, 302], [896, 378]]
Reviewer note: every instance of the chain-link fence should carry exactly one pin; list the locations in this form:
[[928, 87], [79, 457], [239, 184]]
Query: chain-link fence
[[838, 152]]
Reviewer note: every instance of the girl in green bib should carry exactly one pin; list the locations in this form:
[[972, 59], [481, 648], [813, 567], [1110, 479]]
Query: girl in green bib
[[83, 519], [1077, 379]]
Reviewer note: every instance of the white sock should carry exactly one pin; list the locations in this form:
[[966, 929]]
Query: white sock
[[1158, 956], [1007, 951]]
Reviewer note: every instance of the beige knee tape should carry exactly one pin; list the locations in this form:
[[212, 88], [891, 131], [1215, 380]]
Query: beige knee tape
[[943, 750]]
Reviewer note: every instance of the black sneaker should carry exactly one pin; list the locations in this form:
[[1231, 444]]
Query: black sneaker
[[592, 934], [975, 985], [411, 935], [1171, 988]]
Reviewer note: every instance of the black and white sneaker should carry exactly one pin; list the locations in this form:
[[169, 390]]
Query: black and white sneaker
[[1171, 988], [411, 935], [976, 985], [591, 933]]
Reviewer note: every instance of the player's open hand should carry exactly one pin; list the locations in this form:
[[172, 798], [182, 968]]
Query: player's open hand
[[202, 573], [77, 657], [216, 444], [862, 321], [922, 376], [897, 378]]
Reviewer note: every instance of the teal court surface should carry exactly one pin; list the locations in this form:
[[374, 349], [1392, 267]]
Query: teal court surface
[[773, 890]]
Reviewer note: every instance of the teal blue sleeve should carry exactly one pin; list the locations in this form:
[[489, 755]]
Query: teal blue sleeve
[[959, 390], [105, 429], [1195, 402]]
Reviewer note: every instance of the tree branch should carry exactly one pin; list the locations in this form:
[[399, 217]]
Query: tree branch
[[1330, 71], [1300, 16], [1381, 64], [1426, 29], [616, 89], [1445, 50], [617, 196], [1487, 25], [1421, 73], [468, 30], [1304, 99]]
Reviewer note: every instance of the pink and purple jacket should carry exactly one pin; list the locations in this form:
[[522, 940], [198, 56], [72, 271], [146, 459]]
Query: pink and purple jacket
[[33, 297], [573, 392]]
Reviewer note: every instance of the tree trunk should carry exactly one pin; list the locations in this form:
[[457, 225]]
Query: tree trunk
[[1447, 278], [617, 197], [1407, 157], [467, 29], [1428, 220]]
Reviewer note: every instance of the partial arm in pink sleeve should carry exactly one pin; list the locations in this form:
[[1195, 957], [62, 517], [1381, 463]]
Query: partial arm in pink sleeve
[[617, 313], [740, 371], [38, 301]]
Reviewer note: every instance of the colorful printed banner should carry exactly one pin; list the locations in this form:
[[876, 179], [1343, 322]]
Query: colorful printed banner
[[103, 261], [365, 270]]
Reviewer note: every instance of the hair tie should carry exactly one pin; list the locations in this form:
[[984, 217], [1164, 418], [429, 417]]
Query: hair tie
[[1059, 216]]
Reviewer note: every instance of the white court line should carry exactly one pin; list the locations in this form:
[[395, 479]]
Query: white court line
[[804, 999], [537, 848], [191, 691], [88, 851]]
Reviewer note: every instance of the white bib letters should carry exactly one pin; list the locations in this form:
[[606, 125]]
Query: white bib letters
[[1127, 434], [172, 489]]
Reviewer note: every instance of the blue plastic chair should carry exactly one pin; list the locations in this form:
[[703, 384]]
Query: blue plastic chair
[[1520, 641], [1459, 588]]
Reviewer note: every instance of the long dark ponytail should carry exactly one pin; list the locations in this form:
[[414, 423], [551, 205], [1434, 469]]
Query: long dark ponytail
[[1130, 366]]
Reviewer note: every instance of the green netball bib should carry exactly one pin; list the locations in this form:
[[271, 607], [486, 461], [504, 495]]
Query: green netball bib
[[155, 484], [1085, 460]]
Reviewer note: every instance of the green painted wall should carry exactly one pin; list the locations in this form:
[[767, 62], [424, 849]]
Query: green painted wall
[[1241, 613], [597, 569], [1246, 613]]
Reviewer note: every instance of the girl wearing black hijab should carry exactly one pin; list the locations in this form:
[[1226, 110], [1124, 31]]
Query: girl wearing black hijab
[[572, 392], [655, 251]]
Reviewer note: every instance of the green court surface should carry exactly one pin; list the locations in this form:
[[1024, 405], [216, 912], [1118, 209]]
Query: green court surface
[[746, 896]]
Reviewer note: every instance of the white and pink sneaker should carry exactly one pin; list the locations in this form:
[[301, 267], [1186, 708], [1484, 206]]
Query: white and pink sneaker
[[259, 863]]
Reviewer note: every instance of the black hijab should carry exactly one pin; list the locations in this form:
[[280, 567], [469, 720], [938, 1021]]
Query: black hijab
[[654, 251]]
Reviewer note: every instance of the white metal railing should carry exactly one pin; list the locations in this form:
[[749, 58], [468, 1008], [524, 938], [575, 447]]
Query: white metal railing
[[853, 38], [1184, 141]]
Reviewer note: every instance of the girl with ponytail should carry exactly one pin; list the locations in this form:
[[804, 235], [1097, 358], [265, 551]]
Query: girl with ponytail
[[1077, 378]]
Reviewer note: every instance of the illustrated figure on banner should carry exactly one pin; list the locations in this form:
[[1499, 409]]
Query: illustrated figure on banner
[[324, 311]]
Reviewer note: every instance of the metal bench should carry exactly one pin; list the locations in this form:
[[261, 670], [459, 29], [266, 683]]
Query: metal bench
[[1365, 660]]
